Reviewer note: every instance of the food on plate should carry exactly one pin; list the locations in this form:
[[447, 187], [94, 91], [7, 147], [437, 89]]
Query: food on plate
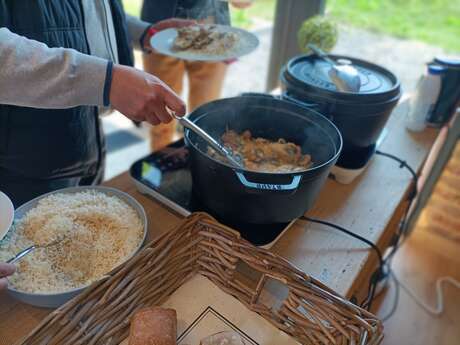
[[263, 155], [153, 326], [224, 338], [98, 232], [207, 39]]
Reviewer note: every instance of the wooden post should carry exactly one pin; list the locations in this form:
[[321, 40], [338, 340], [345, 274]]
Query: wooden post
[[288, 17], [436, 162]]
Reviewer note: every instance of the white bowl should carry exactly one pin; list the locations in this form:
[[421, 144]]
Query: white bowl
[[6, 214], [54, 300]]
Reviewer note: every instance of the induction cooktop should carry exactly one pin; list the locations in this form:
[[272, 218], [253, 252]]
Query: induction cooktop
[[165, 176]]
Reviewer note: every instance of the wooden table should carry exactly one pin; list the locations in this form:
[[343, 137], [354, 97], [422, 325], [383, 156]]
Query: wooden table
[[372, 207]]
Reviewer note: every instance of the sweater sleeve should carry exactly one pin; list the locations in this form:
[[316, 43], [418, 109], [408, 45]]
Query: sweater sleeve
[[137, 29], [34, 75]]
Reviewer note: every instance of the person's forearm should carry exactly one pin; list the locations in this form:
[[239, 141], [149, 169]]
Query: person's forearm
[[34, 75], [137, 29]]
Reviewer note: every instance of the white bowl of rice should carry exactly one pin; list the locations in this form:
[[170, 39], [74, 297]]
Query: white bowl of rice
[[102, 228]]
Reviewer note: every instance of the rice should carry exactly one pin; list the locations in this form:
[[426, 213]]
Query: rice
[[97, 232]]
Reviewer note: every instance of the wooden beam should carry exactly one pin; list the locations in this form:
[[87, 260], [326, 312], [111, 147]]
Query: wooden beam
[[436, 161], [289, 15]]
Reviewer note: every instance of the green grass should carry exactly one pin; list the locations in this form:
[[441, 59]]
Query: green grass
[[261, 9], [133, 7], [436, 22]]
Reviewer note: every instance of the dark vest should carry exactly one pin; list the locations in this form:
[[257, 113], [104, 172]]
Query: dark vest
[[156, 10], [42, 143]]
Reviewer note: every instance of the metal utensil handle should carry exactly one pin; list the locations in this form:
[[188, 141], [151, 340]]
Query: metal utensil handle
[[210, 140], [20, 255], [321, 54], [338, 82]]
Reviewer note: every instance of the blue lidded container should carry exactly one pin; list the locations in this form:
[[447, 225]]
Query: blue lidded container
[[449, 96]]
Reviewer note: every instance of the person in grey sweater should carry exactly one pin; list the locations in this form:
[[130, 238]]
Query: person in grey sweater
[[62, 64], [34, 75]]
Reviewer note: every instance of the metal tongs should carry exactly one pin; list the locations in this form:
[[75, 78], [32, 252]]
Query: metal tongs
[[210, 140]]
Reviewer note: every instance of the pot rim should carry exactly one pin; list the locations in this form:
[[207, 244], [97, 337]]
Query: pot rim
[[308, 170], [341, 96]]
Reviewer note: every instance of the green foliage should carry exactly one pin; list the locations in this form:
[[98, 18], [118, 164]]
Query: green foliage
[[132, 7], [432, 21], [318, 30]]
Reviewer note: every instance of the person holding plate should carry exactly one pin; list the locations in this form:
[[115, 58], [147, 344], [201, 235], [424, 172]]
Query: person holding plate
[[205, 78]]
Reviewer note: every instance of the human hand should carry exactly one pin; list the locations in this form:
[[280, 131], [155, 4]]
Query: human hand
[[5, 271], [141, 96], [163, 25], [241, 4]]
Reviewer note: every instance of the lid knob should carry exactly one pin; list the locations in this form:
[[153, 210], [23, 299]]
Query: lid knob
[[344, 62]]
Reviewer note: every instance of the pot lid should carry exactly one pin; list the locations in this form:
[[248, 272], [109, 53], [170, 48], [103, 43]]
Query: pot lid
[[448, 62], [310, 71]]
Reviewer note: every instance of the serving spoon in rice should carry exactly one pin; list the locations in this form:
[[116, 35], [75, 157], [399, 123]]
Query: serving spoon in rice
[[32, 248]]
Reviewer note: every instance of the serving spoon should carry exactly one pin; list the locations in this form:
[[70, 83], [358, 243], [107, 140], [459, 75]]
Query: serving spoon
[[32, 248], [344, 76], [235, 161]]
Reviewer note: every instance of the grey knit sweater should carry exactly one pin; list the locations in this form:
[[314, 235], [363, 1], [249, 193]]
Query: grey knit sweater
[[34, 75]]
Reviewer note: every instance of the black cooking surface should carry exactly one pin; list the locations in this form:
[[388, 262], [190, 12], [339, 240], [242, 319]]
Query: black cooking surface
[[167, 173]]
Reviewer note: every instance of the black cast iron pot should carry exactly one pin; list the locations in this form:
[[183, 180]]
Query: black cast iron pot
[[359, 116], [255, 197]]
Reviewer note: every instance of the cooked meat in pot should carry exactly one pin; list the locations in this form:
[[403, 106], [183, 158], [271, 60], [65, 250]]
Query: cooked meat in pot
[[263, 155]]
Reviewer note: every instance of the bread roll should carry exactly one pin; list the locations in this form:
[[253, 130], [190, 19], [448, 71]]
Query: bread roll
[[224, 338], [153, 326]]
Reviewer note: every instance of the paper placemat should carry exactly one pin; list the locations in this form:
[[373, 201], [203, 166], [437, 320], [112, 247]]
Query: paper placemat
[[204, 309]]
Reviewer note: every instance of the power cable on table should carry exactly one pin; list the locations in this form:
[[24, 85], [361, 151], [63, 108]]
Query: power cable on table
[[386, 262]]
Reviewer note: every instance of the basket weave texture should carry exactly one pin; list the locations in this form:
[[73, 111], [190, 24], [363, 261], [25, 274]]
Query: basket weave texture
[[311, 313]]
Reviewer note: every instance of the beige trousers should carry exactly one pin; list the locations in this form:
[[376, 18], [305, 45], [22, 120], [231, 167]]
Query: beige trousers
[[205, 85]]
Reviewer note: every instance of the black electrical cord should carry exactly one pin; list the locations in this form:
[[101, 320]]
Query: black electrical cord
[[400, 161], [400, 235], [394, 306], [348, 232], [376, 276], [403, 228]]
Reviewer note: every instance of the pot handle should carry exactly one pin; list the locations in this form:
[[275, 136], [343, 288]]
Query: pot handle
[[283, 97], [269, 187], [258, 94], [311, 106]]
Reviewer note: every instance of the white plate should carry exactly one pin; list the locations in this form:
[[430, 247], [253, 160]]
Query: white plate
[[6, 214], [247, 42]]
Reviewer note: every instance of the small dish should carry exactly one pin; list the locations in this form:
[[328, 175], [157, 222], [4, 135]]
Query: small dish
[[6, 214]]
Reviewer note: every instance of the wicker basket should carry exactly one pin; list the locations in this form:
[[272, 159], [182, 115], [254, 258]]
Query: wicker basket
[[312, 313]]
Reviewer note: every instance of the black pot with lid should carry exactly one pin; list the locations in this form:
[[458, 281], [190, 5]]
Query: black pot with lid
[[259, 197], [360, 116]]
